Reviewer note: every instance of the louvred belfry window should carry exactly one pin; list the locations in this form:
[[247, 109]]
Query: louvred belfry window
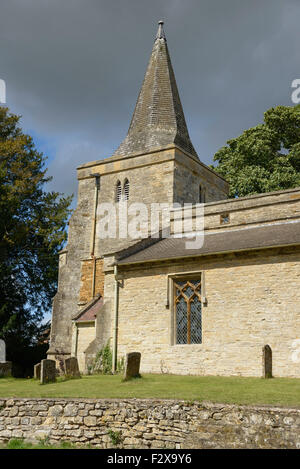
[[126, 190], [201, 194], [188, 311], [118, 191]]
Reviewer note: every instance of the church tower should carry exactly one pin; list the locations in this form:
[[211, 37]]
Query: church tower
[[155, 163]]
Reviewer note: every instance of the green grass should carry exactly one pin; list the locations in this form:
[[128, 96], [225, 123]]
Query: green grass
[[19, 443], [237, 390]]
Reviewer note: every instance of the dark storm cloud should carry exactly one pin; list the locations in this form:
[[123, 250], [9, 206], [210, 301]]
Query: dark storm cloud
[[73, 68]]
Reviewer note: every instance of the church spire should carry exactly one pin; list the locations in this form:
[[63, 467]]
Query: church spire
[[158, 119]]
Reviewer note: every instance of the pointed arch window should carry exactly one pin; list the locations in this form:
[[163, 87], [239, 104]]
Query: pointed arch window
[[188, 311], [118, 191], [126, 190]]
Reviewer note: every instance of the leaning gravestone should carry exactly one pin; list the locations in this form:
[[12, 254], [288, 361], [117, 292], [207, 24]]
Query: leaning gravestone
[[267, 361], [132, 365], [37, 371], [71, 367], [5, 367], [48, 371]]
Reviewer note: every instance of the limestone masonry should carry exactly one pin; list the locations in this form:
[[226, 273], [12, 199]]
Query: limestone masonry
[[149, 423], [206, 310]]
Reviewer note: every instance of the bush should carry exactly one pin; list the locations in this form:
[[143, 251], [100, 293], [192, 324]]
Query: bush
[[102, 363]]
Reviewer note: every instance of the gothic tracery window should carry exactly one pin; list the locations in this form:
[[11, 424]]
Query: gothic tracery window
[[188, 311]]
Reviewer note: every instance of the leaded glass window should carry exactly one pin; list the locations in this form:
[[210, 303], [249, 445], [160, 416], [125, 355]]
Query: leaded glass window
[[188, 311]]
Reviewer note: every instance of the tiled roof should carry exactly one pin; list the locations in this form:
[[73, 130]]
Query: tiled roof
[[158, 119], [272, 235], [89, 312]]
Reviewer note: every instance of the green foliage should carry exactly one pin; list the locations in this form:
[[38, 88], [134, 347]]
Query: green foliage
[[32, 232], [16, 443], [20, 443], [115, 436], [264, 158], [103, 361]]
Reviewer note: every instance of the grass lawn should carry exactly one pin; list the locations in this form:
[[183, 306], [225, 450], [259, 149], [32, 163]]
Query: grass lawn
[[19, 443], [236, 390]]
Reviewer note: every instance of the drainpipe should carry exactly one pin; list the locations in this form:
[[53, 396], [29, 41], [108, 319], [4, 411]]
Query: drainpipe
[[116, 314], [76, 340], [97, 186]]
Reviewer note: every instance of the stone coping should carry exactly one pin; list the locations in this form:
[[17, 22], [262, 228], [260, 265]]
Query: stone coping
[[157, 149], [249, 198], [150, 401], [115, 158]]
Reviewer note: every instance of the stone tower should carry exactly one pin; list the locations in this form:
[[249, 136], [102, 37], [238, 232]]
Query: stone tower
[[155, 163]]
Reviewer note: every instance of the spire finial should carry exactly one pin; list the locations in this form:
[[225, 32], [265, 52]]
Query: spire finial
[[160, 33]]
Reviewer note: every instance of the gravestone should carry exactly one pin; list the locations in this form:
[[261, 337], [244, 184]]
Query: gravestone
[[267, 361], [37, 371], [2, 351], [132, 365], [48, 371], [5, 367], [71, 367]]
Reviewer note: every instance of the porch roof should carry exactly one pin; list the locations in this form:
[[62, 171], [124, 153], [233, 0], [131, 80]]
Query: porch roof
[[89, 312]]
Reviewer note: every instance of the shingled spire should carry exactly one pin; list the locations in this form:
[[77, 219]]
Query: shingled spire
[[158, 119]]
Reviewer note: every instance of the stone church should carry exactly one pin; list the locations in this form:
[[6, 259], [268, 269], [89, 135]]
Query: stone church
[[208, 310]]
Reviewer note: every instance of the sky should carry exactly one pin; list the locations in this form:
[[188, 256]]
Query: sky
[[73, 69]]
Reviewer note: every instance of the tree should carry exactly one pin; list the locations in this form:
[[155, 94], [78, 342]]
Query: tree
[[264, 158], [32, 232]]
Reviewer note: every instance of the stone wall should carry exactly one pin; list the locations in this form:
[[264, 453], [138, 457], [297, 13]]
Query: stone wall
[[244, 212], [86, 334], [87, 274], [65, 303], [253, 299], [152, 180], [189, 174], [149, 423]]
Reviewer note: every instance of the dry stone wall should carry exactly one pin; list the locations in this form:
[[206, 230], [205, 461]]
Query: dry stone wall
[[149, 423]]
